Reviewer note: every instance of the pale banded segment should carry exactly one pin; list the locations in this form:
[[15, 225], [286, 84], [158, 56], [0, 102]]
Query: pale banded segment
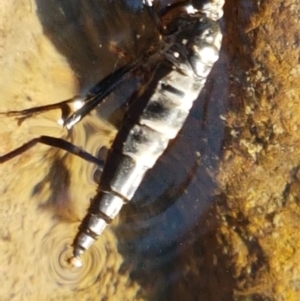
[[144, 145], [168, 108], [127, 177], [84, 240], [163, 116], [180, 80], [170, 126], [96, 224], [110, 204]]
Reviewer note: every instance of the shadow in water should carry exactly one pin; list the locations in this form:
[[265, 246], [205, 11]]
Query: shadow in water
[[90, 33]]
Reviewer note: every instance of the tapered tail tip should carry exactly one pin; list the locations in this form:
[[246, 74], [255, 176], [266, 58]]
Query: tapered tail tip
[[75, 262]]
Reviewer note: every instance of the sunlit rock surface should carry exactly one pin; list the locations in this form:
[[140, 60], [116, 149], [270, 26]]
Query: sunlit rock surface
[[252, 251]]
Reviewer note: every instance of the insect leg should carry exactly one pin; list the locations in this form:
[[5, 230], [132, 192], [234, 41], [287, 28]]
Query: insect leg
[[55, 142], [27, 113], [97, 94], [94, 97]]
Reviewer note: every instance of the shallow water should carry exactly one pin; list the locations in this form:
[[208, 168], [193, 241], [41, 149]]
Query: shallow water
[[193, 230]]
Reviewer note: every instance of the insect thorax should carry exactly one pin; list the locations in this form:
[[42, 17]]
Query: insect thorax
[[194, 45]]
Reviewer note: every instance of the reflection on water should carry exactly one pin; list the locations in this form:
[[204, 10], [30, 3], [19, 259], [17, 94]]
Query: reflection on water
[[201, 225]]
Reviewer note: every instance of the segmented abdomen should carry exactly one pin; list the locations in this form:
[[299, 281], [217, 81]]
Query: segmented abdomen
[[138, 146]]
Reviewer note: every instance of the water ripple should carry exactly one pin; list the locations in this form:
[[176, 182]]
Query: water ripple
[[58, 245]]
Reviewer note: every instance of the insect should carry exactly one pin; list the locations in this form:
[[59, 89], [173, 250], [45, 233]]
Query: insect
[[188, 48]]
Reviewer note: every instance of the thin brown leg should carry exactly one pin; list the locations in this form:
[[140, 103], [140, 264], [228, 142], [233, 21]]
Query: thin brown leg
[[55, 142]]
